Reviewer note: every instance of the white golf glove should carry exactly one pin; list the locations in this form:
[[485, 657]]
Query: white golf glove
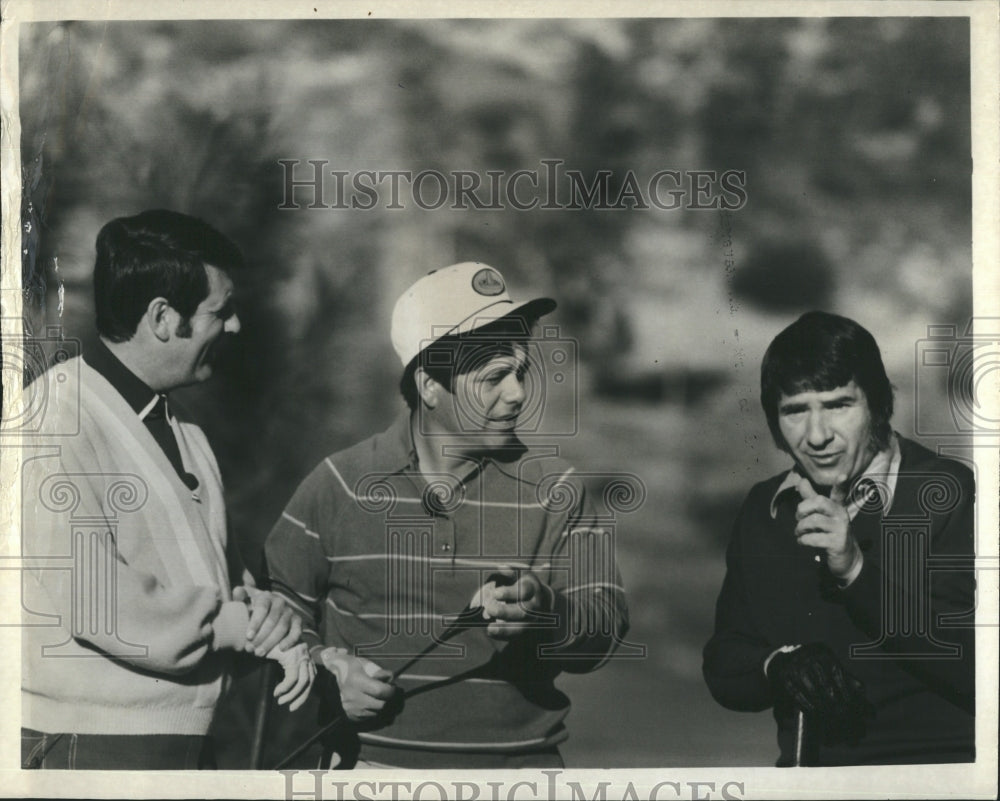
[[299, 674]]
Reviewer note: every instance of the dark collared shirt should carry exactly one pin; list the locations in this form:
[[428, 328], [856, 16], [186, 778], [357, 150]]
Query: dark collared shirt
[[151, 406]]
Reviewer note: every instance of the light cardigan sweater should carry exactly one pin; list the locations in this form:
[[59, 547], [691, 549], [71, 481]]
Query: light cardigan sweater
[[129, 599]]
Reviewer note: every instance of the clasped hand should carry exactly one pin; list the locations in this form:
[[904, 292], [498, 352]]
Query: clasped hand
[[512, 603], [364, 686], [273, 632], [272, 621]]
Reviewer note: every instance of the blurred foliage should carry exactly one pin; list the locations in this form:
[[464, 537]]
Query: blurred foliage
[[854, 135], [787, 275]]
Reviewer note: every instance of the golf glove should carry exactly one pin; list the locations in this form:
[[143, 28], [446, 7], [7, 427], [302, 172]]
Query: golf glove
[[299, 674], [812, 678]]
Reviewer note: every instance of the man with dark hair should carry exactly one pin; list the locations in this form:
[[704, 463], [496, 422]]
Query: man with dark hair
[[830, 612], [156, 253], [387, 541], [127, 670]]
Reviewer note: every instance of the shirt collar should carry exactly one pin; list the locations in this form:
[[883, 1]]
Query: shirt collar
[[398, 451], [883, 471], [133, 389]]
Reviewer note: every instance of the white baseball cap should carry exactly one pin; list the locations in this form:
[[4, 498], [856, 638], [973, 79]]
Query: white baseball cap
[[455, 300]]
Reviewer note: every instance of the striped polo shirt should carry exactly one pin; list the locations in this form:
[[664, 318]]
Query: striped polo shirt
[[379, 557]]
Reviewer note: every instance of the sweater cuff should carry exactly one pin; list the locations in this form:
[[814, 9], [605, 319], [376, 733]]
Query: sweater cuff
[[230, 626], [784, 649], [846, 581]]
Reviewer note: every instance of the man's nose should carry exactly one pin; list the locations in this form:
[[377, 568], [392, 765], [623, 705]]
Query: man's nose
[[817, 430], [513, 390], [232, 325]]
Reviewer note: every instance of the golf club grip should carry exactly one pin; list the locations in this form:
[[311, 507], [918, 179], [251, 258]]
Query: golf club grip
[[312, 739], [449, 632], [260, 718]]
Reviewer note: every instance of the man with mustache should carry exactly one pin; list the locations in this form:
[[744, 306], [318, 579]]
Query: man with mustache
[[828, 607], [387, 541]]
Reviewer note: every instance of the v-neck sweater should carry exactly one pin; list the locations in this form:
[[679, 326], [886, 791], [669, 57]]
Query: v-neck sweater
[[128, 568]]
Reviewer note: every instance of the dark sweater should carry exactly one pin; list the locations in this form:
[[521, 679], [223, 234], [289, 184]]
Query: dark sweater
[[918, 666]]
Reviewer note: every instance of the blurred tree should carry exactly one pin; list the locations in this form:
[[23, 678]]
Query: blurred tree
[[118, 117], [785, 276]]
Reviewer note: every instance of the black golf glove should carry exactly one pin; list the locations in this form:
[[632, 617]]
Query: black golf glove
[[811, 678]]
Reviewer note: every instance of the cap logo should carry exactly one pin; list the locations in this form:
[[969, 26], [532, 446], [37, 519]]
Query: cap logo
[[487, 282]]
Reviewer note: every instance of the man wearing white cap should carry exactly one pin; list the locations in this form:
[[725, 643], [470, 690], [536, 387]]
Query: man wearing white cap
[[385, 543]]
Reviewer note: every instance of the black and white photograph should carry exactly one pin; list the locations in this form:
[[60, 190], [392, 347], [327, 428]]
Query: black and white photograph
[[564, 402]]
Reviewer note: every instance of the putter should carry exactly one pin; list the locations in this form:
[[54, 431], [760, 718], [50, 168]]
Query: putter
[[469, 618]]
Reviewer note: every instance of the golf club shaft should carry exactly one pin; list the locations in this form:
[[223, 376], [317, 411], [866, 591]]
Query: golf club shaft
[[260, 719], [447, 634], [800, 737]]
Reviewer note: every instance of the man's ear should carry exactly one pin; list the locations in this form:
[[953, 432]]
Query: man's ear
[[428, 388], [159, 318]]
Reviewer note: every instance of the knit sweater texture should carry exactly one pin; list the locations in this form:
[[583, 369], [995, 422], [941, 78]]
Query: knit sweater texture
[[128, 569]]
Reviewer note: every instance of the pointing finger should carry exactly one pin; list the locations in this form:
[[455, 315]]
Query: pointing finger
[[839, 491], [504, 574], [815, 505]]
